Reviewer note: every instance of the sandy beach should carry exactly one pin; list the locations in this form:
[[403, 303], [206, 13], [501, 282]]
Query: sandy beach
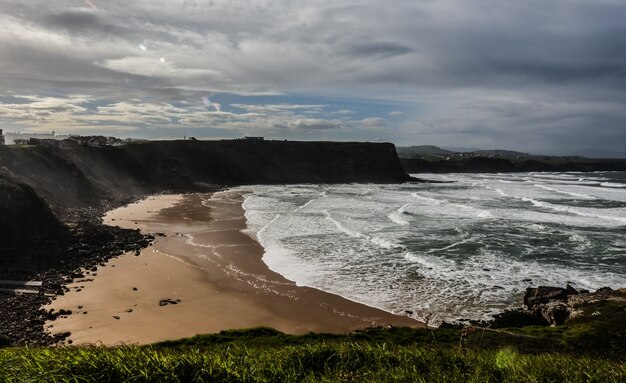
[[201, 275]]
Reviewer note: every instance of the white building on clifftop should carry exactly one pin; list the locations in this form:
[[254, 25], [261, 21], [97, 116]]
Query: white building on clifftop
[[9, 138]]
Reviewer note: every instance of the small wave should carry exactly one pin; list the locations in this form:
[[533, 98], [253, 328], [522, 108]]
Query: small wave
[[612, 185], [564, 209], [451, 246], [378, 241], [350, 233], [581, 239], [478, 213], [397, 216], [430, 262], [579, 195], [264, 228]]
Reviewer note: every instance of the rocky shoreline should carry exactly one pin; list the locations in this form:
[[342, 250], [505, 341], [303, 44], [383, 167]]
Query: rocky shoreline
[[553, 306], [91, 245]]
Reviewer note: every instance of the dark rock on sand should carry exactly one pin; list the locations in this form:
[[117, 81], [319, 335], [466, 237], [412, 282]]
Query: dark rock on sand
[[168, 301]]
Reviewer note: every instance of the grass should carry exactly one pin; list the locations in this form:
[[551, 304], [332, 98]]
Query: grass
[[587, 349], [266, 355], [313, 362]]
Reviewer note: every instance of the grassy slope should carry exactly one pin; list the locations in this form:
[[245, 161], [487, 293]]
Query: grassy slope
[[396, 354], [316, 361]]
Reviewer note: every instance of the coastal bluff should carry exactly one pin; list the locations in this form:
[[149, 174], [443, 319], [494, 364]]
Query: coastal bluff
[[45, 187], [88, 176]]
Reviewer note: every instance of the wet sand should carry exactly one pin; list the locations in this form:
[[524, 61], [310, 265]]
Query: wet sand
[[216, 271]]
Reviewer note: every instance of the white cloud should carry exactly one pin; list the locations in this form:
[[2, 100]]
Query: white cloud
[[474, 68], [159, 67]]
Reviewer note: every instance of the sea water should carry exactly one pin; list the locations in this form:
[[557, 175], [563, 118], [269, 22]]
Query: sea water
[[462, 249]]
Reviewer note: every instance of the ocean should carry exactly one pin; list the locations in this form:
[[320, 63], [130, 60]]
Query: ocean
[[462, 249]]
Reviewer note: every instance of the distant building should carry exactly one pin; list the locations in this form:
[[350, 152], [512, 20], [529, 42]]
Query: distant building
[[11, 138], [1, 138], [256, 139], [93, 141]]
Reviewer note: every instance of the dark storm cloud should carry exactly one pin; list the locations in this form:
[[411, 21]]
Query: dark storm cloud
[[87, 21], [378, 49]]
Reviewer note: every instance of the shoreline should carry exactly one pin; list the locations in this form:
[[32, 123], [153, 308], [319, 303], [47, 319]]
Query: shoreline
[[201, 258]]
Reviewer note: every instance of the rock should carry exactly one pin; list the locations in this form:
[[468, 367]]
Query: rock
[[605, 290], [555, 313], [168, 301], [571, 290], [543, 294], [517, 318]]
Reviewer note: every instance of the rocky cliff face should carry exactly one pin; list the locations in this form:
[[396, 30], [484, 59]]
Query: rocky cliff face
[[87, 176], [37, 180], [27, 227]]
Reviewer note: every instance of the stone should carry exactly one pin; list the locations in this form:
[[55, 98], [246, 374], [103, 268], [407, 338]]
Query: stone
[[168, 301], [517, 318], [543, 294], [555, 313], [571, 290]]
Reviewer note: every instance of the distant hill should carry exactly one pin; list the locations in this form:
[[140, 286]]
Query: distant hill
[[431, 150], [502, 153], [421, 150], [460, 149]]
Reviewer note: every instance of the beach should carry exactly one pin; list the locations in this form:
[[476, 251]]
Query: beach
[[202, 274]]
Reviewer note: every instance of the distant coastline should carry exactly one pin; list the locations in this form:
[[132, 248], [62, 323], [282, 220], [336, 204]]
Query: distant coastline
[[431, 159]]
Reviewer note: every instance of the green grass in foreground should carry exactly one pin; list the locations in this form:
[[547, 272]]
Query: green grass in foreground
[[588, 349], [314, 362]]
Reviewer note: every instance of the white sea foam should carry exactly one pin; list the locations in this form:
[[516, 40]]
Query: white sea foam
[[578, 195], [613, 185], [451, 250], [398, 215]]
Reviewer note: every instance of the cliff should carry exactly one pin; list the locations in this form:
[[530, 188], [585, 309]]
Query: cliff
[[90, 176], [38, 180], [27, 227]]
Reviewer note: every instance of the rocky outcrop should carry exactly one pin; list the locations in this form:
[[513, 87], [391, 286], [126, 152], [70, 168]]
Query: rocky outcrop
[[553, 306]]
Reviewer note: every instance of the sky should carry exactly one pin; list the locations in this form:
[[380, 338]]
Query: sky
[[540, 76]]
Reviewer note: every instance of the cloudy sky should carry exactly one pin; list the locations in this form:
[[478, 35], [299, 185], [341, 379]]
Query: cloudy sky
[[544, 76]]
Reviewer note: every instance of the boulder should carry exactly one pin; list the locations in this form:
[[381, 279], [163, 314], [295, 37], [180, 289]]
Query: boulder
[[543, 294], [517, 318], [555, 313]]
